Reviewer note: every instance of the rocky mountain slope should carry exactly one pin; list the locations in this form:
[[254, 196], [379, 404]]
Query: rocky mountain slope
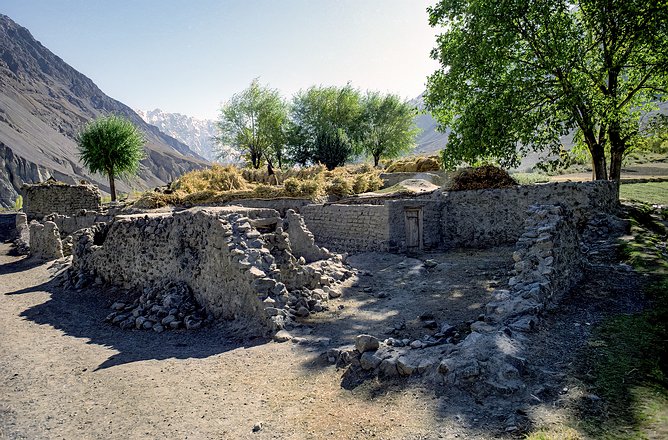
[[429, 140], [198, 134], [44, 102]]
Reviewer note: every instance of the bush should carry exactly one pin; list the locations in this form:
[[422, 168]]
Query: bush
[[484, 177], [18, 203]]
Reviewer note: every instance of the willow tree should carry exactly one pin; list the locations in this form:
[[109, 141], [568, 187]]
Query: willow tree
[[253, 123], [387, 126], [113, 146], [325, 125], [517, 74]]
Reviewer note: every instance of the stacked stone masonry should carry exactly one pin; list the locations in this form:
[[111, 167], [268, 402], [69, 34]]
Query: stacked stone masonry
[[349, 228], [452, 219], [486, 218], [45, 242], [548, 263], [43, 199], [236, 261]]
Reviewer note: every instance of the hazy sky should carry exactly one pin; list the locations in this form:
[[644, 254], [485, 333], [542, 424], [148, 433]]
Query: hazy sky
[[189, 56]]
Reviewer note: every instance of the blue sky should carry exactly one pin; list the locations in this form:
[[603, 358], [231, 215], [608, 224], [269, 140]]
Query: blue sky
[[190, 56]]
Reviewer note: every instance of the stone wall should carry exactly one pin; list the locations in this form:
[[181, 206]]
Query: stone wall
[[431, 222], [349, 228], [236, 261], [548, 263], [43, 199], [45, 241], [281, 205], [486, 218], [67, 224]]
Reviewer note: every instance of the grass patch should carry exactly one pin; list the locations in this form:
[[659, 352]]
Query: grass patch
[[655, 193], [627, 357], [561, 433], [530, 178]]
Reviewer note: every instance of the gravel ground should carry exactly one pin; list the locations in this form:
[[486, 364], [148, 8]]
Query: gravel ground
[[65, 374]]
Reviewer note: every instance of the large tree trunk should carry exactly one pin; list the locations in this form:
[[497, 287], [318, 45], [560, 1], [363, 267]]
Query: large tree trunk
[[617, 148], [599, 167], [376, 159], [112, 186]]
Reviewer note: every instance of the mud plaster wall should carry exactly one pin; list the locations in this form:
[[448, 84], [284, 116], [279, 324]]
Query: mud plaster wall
[[67, 225], [485, 218], [349, 228], [199, 247], [45, 241], [431, 223], [43, 199]]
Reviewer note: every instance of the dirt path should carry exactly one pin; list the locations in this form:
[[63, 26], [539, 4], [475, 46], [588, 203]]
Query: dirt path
[[66, 374]]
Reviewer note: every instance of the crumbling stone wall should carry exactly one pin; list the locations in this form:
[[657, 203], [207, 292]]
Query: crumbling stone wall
[[489, 360], [485, 218], [68, 224], [236, 261], [548, 263], [45, 241], [349, 228], [43, 199]]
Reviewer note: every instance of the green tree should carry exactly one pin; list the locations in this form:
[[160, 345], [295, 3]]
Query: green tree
[[325, 125], [518, 74], [111, 145], [387, 126], [253, 122]]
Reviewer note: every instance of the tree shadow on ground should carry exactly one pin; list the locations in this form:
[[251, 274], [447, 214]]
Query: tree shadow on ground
[[81, 314]]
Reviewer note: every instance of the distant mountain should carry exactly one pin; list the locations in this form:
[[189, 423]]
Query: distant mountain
[[44, 103], [429, 141], [195, 133]]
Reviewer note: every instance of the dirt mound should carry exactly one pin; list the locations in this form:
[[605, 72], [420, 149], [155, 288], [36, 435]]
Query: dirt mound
[[484, 177]]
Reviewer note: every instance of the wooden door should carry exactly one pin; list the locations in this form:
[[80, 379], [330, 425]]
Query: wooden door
[[413, 230]]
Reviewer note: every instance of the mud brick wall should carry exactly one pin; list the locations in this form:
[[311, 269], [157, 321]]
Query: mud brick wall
[[485, 218], [42, 199], [349, 228]]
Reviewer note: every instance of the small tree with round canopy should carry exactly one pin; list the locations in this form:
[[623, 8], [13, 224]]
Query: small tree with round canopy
[[113, 146]]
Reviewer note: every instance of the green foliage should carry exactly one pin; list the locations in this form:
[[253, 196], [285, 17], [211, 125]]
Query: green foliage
[[333, 148], [516, 75], [113, 146], [18, 203], [651, 192], [325, 125], [387, 126], [253, 122]]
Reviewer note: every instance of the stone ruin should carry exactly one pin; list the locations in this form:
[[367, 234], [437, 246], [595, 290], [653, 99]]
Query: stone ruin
[[262, 269], [239, 264]]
